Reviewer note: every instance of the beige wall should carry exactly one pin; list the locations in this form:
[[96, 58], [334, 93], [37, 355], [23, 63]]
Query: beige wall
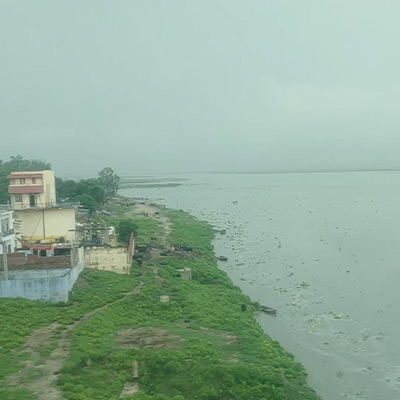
[[114, 259], [49, 184], [46, 224], [45, 199]]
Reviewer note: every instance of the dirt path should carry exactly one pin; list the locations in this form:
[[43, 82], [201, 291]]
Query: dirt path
[[39, 374], [167, 230], [49, 346]]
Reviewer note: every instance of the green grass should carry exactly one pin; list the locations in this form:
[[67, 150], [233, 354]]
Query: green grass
[[220, 352], [207, 365], [19, 317], [147, 227], [16, 394]]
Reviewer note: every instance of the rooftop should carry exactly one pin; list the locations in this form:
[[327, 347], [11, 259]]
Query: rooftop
[[18, 261], [30, 173], [5, 208]]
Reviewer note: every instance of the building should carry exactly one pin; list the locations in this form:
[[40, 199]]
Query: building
[[38, 218], [7, 236], [32, 189], [52, 259], [116, 259], [41, 278]]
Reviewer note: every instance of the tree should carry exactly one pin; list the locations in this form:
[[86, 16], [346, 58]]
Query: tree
[[124, 230], [88, 202], [93, 188], [66, 189], [108, 181]]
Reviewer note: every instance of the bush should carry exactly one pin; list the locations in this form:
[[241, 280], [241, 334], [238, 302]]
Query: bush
[[88, 202], [124, 230]]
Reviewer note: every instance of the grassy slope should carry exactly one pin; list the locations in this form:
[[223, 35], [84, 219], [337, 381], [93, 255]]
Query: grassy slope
[[231, 359]]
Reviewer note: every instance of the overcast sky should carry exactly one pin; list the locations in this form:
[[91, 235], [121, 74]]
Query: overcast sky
[[151, 86]]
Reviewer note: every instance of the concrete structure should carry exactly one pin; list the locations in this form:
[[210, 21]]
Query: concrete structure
[[50, 284], [114, 259], [164, 299], [38, 218], [46, 225], [7, 235], [185, 273]]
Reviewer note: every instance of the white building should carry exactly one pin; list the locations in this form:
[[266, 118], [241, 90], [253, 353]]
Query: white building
[[7, 236], [38, 218]]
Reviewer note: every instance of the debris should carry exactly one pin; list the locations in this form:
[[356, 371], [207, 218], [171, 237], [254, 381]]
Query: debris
[[268, 310]]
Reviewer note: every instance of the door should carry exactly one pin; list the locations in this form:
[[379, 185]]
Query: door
[[32, 202]]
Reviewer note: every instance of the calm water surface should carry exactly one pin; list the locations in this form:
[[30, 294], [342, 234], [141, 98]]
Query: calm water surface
[[323, 249]]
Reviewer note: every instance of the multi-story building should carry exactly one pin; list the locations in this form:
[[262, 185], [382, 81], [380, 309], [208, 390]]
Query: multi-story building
[[38, 218], [52, 260], [32, 189], [7, 236]]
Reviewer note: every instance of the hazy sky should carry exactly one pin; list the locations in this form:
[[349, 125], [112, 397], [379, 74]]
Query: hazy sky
[[207, 85]]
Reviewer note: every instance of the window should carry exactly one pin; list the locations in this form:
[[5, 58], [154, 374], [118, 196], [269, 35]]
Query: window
[[18, 198], [22, 181], [33, 180], [5, 225]]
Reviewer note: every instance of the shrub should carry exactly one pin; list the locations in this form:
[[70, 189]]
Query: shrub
[[125, 228]]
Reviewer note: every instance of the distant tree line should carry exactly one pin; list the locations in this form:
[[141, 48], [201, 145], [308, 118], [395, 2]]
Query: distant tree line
[[91, 193]]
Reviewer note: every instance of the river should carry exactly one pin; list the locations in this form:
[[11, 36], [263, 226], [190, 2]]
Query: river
[[324, 250]]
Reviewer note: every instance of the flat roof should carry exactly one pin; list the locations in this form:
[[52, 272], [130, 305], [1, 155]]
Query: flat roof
[[5, 208], [32, 172]]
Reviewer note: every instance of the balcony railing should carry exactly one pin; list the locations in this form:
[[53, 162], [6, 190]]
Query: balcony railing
[[69, 204], [21, 206]]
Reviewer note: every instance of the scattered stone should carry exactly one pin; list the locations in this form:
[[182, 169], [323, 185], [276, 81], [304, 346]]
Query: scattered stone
[[164, 299]]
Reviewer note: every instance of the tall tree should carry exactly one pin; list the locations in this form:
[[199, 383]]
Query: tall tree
[[109, 181], [93, 188], [66, 189]]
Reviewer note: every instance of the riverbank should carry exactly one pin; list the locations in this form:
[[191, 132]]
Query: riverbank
[[115, 335]]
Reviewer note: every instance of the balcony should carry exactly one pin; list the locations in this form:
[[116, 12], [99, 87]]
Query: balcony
[[25, 189]]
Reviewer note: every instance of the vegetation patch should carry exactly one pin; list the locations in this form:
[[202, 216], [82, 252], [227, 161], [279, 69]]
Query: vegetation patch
[[198, 345]]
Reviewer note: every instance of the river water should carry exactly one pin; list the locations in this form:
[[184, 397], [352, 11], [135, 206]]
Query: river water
[[324, 250]]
